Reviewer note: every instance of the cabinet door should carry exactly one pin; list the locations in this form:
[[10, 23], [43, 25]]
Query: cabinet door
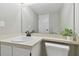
[[17, 51], [6, 50], [36, 50]]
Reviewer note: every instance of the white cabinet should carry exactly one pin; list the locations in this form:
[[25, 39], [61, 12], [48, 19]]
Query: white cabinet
[[17, 51], [25, 51], [54, 49], [6, 50], [36, 50]]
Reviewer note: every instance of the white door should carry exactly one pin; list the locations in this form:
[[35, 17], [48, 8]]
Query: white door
[[43, 23]]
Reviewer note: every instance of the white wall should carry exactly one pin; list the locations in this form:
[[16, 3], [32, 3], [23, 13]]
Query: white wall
[[77, 18], [61, 19], [67, 16], [29, 19], [9, 13], [54, 23]]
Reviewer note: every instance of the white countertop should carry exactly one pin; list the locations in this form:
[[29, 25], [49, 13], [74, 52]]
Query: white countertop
[[30, 42], [35, 38], [56, 38]]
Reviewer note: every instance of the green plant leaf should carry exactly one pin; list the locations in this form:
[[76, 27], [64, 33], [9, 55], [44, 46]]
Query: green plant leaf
[[67, 32]]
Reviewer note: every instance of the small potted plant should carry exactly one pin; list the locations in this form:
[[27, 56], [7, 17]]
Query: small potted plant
[[67, 33]]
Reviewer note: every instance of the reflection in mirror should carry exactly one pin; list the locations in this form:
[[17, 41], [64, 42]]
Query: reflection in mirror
[[47, 17]]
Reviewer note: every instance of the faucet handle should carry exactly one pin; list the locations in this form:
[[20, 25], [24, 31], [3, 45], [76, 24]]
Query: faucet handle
[[27, 32]]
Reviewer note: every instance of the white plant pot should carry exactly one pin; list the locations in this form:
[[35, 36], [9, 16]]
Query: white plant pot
[[69, 38]]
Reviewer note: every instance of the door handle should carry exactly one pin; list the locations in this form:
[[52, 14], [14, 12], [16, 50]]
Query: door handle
[[46, 29]]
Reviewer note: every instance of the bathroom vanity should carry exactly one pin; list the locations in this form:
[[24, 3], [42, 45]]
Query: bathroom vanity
[[58, 39], [34, 45], [17, 47]]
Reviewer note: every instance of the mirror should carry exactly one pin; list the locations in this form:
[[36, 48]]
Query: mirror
[[50, 18]]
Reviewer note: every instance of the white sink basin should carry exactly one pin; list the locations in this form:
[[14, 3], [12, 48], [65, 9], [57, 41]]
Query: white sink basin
[[20, 39]]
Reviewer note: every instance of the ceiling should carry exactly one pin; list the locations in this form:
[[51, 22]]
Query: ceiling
[[42, 8]]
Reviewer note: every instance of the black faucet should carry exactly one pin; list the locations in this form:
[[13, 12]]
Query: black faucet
[[28, 33]]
